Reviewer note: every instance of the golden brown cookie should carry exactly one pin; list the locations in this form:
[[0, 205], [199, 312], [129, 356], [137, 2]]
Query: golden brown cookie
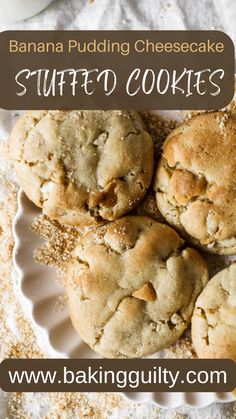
[[195, 181], [83, 167], [132, 287], [214, 317]]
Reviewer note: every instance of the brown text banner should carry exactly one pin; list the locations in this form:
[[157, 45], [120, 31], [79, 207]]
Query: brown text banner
[[106, 375], [116, 70]]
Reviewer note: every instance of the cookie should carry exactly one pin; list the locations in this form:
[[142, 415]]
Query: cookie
[[83, 167], [132, 287], [195, 181], [214, 317]]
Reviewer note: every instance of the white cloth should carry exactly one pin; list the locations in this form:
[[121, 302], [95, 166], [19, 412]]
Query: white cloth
[[133, 14]]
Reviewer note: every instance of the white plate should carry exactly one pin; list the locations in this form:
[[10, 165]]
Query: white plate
[[39, 293]]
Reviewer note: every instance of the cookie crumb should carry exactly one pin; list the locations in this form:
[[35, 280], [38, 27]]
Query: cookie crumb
[[158, 127], [60, 242]]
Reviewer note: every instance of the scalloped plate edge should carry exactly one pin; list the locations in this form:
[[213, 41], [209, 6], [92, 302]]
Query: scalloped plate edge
[[167, 400]]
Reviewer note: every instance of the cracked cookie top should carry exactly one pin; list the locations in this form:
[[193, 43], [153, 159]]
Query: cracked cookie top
[[195, 182], [214, 318], [83, 167], [132, 287]]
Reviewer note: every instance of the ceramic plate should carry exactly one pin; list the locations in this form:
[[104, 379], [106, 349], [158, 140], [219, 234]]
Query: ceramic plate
[[40, 294]]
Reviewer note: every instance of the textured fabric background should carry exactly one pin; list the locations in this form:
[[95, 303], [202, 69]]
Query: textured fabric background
[[108, 14]]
